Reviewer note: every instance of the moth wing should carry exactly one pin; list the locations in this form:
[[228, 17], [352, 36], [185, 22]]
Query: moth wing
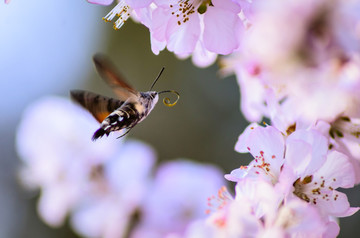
[[113, 78], [99, 106]]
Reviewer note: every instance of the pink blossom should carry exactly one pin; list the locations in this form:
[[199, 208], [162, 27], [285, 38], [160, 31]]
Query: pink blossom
[[298, 164], [318, 32], [267, 146], [177, 197], [58, 155], [267, 92], [339, 83], [185, 27], [231, 217], [181, 26], [258, 210], [75, 175], [319, 187], [296, 219], [110, 211], [306, 58]]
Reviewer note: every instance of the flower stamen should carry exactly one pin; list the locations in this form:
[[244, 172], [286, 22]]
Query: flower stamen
[[220, 201], [122, 11], [184, 9]]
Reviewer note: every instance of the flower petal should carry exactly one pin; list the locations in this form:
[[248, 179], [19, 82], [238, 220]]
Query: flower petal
[[336, 205], [222, 30], [241, 144], [138, 3], [101, 2], [182, 38], [227, 5], [267, 142], [202, 57], [303, 143], [337, 170]]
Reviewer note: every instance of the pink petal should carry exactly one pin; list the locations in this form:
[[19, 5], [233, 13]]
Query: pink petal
[[286, 180], [338, 171], [298, 155], [54, 204], [261, 194], [182, 38], [338, 207], [317, 146], [165, 3], [351, 211], [160, 18], [143, 15], [173, 182], [101, 2], [235, 175], [138, 3], [306, 219], [157, 46], [252, 93], [332, 230], [227, 5], [241, 144], [201, 57], [222, 30], [252, 171]]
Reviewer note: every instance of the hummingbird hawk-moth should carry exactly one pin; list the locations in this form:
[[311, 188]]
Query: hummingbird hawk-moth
[[128, 110]]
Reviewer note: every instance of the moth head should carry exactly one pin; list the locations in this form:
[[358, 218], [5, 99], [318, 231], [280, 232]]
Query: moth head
[[154, 96]]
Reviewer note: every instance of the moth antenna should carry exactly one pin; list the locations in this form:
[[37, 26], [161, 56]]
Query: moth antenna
[[124, 133], [167, 101], [153, 84]]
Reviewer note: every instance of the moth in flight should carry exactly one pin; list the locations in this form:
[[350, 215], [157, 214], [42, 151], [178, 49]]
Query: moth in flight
[[128, 110]]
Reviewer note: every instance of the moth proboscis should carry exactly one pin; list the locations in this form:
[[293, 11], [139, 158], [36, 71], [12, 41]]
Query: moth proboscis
[[130, 108]]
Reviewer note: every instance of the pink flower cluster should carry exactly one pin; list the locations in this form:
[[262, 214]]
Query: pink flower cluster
[[199, 28], [298, 67]]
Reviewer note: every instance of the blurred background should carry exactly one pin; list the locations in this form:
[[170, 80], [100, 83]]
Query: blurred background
[[46, 48]]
